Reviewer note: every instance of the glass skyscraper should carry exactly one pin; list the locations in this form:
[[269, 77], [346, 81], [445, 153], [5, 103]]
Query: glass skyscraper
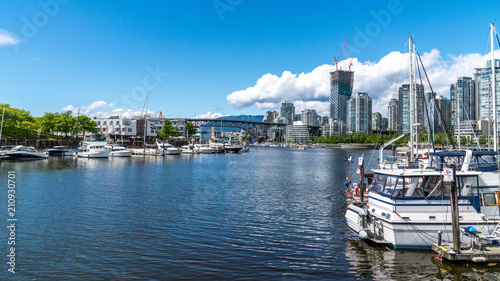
[[341, 83]]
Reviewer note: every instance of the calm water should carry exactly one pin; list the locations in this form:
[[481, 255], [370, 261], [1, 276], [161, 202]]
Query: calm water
[[271, 214]]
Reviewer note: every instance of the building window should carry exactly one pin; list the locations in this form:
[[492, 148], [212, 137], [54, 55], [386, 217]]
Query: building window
[[123, 130], [152, 131], [98, 122], [104, 123], [129, 130], [117, 130], [104, 129]]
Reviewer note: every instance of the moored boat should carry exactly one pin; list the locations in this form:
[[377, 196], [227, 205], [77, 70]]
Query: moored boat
[[25, 152], [59, 151], [93, 150], [407, 207], [166, 148], [120, 151]]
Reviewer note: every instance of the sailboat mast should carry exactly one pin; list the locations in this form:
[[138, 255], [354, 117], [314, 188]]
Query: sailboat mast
[[493, 88], [458, 120], [146, 121], [411, 99], [1, 126], [415, 100]]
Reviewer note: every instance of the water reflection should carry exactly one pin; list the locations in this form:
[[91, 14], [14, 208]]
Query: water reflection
[[269, 214]]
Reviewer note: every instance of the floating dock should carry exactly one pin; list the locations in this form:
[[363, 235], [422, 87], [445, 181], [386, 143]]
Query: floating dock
[[476, 254]]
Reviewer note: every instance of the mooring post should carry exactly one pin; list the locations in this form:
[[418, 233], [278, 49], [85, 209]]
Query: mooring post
[[454, 211], [362, 180]]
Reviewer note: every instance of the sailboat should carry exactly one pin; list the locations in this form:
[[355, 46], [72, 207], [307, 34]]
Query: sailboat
[[408, 205]]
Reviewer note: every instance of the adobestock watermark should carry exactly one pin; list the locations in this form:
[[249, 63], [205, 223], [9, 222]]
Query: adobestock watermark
[[31, 26], [373, 28], [151, 80], [223, 6]]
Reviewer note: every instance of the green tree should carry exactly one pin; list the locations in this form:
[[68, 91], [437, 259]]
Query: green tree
[[18, 123], [191, 129], [167, 130], [85, 124]]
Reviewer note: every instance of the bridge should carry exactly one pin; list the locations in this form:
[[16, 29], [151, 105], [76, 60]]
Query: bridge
[[253, 127]]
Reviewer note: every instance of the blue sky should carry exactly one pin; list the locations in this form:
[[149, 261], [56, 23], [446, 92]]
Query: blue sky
[[222, 56]]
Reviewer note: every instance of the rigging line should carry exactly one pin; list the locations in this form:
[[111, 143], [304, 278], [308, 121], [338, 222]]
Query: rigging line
[[373, 151], [399, 74], [426, 111], [439, 109]]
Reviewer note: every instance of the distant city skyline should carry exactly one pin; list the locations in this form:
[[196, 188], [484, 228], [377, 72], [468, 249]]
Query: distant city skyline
[[222, 57]]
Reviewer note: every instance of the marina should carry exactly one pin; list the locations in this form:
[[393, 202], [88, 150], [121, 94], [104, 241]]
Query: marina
[[281, 219]]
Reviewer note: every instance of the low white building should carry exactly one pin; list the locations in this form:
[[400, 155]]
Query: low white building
[[121, 126]]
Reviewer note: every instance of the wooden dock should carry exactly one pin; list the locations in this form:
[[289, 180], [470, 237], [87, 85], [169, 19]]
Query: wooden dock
[[476, 254]]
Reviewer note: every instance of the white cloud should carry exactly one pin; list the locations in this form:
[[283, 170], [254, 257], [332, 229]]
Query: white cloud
[[7, 38], [209, 115], [95, 109], [87, 110], [379, 79]]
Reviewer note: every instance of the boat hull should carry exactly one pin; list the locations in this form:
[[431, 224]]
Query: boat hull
[[120, 153], [25, 155], [100, 154]]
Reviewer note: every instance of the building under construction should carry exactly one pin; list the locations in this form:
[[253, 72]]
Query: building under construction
[[341, 83]]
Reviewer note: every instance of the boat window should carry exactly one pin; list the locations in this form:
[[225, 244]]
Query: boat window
[[468, 186], [430, 184], [394, 186], [378, 183], [489, 199], [486, 161], [414, 186], [439, 190]]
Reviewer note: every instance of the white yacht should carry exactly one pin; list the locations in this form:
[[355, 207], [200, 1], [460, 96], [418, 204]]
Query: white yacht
[[120, 151], [203, 149], [166, 148], [24, 152], [188, 149], [407, 207], [93, 150]]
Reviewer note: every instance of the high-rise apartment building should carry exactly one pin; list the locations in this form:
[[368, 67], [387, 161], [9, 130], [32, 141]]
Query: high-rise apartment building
[[287, 111], [404, 108], [359, 113], [436, 121], [384, 124], [341, 84], [309, 117], [463, 100], [392, 111], [376, 121], [484, 90], [270, 116]]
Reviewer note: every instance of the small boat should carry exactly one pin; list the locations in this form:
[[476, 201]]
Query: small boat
[[120, 151], [203, 149], [93, 150], [187, 149], [352, 192], [25, 152], [302, 147], [59, 151], [166, 148]]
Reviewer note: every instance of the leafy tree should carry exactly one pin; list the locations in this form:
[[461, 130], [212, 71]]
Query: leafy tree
[[167, 130], [85, 124], [18, 123], [191, 129]]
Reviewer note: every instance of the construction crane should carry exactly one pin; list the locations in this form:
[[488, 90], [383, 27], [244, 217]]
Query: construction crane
[[336, 59]]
